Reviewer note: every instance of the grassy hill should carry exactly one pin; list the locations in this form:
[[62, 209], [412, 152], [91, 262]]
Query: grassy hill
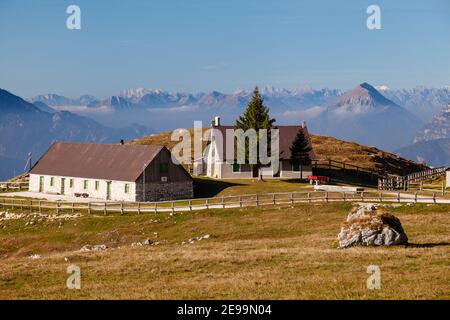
[[330, 148], [273, 252]]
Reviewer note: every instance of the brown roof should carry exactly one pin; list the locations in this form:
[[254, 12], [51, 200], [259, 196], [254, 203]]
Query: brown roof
[[96, 161], [286, 134]]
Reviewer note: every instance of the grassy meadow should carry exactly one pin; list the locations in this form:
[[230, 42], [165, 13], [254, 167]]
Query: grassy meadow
[[271, 252]]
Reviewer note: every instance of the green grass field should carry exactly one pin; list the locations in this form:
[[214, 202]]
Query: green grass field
[[272, 252]]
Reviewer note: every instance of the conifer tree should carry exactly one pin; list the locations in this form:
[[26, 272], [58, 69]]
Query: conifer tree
[[300, 150], [257, 117]]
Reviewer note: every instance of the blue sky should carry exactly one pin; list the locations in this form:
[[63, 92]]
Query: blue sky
[[201, 45]]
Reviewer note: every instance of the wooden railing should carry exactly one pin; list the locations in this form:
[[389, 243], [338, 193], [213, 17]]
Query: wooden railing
[[403, 182], [333, 164], [238, 201], [8, 185]]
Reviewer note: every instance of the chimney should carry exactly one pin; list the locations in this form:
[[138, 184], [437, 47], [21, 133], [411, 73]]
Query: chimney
[[122, 142], [303, 124], [216, 122]]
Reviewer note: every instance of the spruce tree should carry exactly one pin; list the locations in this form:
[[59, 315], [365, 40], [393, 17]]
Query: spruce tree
[[257, 117], [300, 150]]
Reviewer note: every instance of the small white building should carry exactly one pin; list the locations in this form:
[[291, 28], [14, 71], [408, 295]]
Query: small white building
[[111, 172], [217, 167], [447, 183]]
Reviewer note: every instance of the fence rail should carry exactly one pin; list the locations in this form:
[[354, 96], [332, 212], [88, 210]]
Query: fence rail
[[238, 201], [8, 185], [404, 182], [333, 164]]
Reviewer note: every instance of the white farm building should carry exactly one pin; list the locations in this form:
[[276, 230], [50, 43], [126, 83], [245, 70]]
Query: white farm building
[[111, 172]]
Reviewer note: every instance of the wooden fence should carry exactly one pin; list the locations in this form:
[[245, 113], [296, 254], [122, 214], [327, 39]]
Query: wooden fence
[[8, 185], [239, 201], [333, 164], [404, 182]]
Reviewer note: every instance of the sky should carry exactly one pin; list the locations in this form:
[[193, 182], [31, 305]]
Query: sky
[[204, 45]]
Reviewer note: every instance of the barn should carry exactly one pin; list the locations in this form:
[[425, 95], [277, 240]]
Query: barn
[[117, 172]]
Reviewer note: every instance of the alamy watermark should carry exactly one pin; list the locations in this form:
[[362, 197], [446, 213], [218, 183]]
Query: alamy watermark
[[240, 147], [73, 21], [373, 22], [74, 279], [374, 280]]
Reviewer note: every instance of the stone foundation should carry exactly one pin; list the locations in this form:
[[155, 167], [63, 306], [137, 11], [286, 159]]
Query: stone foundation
[[165, 191]]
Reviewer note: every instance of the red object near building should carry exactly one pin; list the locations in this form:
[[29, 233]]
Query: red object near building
[[319, 179]]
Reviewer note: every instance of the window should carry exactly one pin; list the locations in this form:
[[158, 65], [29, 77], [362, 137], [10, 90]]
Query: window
[[85, 184], [52, 181], [71, 183], [295, 167], [163, 167], [127, 188], [236, 167], [97, 184]]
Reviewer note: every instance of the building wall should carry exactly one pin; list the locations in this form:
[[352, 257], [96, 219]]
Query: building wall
[[117, 187], [447, 185], [226, 172], [165, 191], [286, 171]]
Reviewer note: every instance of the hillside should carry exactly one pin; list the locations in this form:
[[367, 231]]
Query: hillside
[[330, 148], [251, 253]]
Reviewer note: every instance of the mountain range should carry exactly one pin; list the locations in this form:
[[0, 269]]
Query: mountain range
[[432, 142], [373, 115], [26, 127]]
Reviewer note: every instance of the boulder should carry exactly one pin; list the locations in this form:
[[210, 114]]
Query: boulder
[[369, 226]]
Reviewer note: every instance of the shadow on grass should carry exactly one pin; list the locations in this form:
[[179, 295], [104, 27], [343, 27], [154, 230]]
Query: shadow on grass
[[428, 245], [348, 176], [205, 188]]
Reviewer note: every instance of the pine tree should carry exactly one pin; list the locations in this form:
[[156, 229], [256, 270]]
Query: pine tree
[[300, 150], [257, 117]]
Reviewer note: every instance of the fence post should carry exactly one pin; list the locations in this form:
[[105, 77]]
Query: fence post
[[21, 205], [223, 203], [257, 200], [104, 209], [381, 196], [39, 205], [273, 198], [173, 207], [57, 207], [89, 208], [156, 207], [240, 201], [73, 207], [343, 195], [434, 197], [207, 204], [398, 196], [326, 196], [415, 197], [190, 205], [309, 197], [31, 205], [292, 198], [362, 196]]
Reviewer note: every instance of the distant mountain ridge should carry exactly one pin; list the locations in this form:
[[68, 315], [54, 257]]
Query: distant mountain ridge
[[364, 115], [431, 143], [26, 128]]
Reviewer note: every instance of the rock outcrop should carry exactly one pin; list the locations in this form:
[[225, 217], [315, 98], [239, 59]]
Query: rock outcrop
[[368, 226]]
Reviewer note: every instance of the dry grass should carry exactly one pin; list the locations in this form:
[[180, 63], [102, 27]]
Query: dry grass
[[329, 148], [255, 253]]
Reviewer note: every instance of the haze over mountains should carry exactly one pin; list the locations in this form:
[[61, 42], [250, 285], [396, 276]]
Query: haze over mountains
[[378, 116], [432, 142], [25, 127]]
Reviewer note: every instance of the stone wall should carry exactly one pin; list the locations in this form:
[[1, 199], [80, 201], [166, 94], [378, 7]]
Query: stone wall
[[165, 191]]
